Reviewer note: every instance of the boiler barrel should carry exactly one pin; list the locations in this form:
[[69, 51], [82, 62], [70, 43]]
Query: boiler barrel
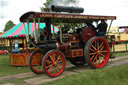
[[67, 9]]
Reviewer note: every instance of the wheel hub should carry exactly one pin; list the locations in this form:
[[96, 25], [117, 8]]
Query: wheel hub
[[98, 52], [55, 63]]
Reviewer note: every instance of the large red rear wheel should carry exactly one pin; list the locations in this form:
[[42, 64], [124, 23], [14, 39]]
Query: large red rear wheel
[[35, 63], [97, 52], [53, 63]]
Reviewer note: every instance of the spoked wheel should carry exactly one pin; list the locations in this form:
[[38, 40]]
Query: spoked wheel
[[35, 63], [97, 52], [53, 63], [78, 61]]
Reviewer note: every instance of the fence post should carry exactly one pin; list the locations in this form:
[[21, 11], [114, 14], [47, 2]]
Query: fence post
[[126, 46], [113, 46]]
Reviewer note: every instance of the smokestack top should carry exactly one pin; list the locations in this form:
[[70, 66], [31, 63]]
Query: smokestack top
[[69, 9]]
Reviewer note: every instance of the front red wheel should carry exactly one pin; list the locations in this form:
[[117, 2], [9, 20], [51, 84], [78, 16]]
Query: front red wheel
[[35, 62], [53, 63], [97, 52]]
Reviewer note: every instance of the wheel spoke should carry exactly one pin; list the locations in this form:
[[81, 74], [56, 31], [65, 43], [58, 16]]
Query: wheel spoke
[[95, 58], [37, 58], [93, 47], [58, 65], [49, 66], [58, 58], [51, 69], [57, 69], [48, 61], [102, 55], [101, 48], [54, 71], [101, 45], [51, 58], [92, 53], [59, 61], [104, 51], [92, 57], [99, 59]]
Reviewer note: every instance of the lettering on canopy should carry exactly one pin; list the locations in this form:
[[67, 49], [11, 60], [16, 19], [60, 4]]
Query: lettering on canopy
[[75, 16]]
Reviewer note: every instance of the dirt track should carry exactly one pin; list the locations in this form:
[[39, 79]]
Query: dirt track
[[70, 69]]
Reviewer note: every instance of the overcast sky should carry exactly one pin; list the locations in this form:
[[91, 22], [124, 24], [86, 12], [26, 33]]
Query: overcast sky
[[13, 9]]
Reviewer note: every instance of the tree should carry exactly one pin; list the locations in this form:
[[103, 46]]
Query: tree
[[45, 5], [8, 25]]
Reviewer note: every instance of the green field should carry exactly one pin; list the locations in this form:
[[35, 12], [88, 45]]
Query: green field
[[105, 76], [118, 54], [7, 69]]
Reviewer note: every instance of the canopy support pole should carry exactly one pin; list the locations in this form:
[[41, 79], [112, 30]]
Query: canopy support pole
[[35, 30], [53, 29], [25, 32], [28, 29], [61, 36], [73, 27], [10, 44], [109, 26], [26, 46], [38, 29], [23, 42], [61, 40]]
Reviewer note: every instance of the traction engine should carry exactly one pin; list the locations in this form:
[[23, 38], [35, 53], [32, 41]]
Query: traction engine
[[79, 47]]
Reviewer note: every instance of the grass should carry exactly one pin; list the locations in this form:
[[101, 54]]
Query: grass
[[120, 54], [105, 76], [7, 69]]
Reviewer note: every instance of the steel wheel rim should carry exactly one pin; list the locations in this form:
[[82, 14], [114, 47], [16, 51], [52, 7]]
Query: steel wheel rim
[[99, 52], [54, 63], [36, 63]]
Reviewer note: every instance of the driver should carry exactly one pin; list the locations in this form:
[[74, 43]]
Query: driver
[[102, 28]]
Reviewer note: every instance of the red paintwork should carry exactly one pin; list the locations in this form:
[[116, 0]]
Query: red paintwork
[[63, 46], [87, 33], [73, 37], [106, 55], [35, 63], [19, 59], [53, 65], [67, 46], [77, 52]]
